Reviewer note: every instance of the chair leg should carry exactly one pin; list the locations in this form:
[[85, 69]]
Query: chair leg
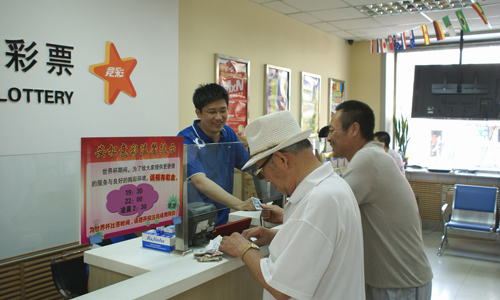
[[444, 239]]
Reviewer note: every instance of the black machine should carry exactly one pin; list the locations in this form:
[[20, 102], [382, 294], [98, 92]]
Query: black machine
[[201, 222]]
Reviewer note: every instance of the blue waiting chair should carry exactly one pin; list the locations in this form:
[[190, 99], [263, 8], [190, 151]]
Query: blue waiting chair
[[473, 213]]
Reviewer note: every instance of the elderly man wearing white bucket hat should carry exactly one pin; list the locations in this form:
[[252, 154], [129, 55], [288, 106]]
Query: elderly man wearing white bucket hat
[[318, 252]]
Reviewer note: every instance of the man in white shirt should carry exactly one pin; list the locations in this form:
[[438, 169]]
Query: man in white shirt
[[318, 252]]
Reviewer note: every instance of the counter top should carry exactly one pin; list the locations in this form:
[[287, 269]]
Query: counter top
[[155, 274]]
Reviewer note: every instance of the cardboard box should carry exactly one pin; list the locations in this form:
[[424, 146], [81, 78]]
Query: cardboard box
[[164, 242]]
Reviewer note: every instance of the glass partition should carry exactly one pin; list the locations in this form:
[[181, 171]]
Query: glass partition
[[39, 206]]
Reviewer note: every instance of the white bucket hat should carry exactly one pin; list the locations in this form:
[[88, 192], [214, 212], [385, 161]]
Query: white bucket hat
[[273, 132]]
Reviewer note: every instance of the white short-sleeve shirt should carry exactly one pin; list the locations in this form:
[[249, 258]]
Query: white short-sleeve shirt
[[318, 252]]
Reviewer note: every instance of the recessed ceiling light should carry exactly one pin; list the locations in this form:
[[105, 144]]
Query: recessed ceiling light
[[411, 6]]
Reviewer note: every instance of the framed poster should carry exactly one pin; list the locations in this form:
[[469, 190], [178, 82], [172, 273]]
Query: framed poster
[[233, 74], [336, 94], [277, 89], [129, 184], [310, 99]]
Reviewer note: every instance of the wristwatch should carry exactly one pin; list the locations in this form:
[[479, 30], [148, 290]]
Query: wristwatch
[[248, 247]]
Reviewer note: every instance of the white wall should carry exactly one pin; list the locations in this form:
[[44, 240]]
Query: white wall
[[39, 191], [144, 30]]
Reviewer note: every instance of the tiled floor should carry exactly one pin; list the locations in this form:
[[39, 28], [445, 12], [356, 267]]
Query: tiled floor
[[467, 269]]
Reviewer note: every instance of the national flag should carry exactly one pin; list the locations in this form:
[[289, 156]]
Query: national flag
[[438, 30], [447, 24], [463, 22], [403, 41], [371, 47], [391, 43], [480, 12], [426, 35], [412, 39], [397, 46], [379, 46], [384, 46]]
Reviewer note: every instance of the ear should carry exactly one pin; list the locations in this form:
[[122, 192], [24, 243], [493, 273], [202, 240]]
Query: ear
[[355, 129], [281, 160], [198, 113]]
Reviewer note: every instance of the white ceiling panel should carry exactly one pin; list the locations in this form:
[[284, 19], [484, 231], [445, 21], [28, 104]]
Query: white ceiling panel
[[312, 5], [281, 7], [380, 32], [365, 19], [338, 14], [360, 2], [357, 23], [402, 19]]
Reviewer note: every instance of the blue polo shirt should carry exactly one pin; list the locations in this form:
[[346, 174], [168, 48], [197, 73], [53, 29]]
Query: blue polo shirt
[[216, 160]]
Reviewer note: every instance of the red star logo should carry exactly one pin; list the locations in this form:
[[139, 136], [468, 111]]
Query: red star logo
[[116, 74]]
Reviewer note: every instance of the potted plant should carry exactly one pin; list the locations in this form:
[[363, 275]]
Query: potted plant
[[401, 135]]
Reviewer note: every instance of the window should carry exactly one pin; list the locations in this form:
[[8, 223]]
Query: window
[[447, 144]]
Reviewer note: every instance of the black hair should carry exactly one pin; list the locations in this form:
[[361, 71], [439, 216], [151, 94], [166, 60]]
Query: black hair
[[323, 132], [208, 93], [383, 137], [357, 111]]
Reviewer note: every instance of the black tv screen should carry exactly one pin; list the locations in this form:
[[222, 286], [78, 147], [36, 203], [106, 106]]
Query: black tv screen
[[456, 92]]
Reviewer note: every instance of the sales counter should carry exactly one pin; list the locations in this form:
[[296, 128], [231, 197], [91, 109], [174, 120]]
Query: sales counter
[[127, 270]]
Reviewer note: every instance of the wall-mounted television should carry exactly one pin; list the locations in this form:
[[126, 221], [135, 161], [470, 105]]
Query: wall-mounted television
[[457, 92]]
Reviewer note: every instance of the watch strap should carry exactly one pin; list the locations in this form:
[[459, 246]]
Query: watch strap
[[248, 247]]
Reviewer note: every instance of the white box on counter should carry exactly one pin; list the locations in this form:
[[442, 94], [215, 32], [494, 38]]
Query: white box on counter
[[154, 240]]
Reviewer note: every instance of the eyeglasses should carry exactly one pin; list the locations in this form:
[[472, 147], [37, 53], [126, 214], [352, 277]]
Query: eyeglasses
[[214, 112], [260, 172]]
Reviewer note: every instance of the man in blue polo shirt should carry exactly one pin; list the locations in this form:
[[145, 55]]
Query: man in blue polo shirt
[[211, 163]]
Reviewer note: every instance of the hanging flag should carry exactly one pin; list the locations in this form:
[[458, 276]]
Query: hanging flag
[[371, 47], [463, 22], [391, 43], [379, 46], [412, 39], [480, 12], [384, 46], [397, 46], [447, 24], [426, 35], [403, 41], [438, 30]]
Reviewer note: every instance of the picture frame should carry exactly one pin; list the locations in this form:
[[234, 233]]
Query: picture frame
[[234, 75], [336, 94], [310, 102], [277, 89]]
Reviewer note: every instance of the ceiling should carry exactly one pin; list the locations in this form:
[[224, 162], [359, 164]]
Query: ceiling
[[364, 20]]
